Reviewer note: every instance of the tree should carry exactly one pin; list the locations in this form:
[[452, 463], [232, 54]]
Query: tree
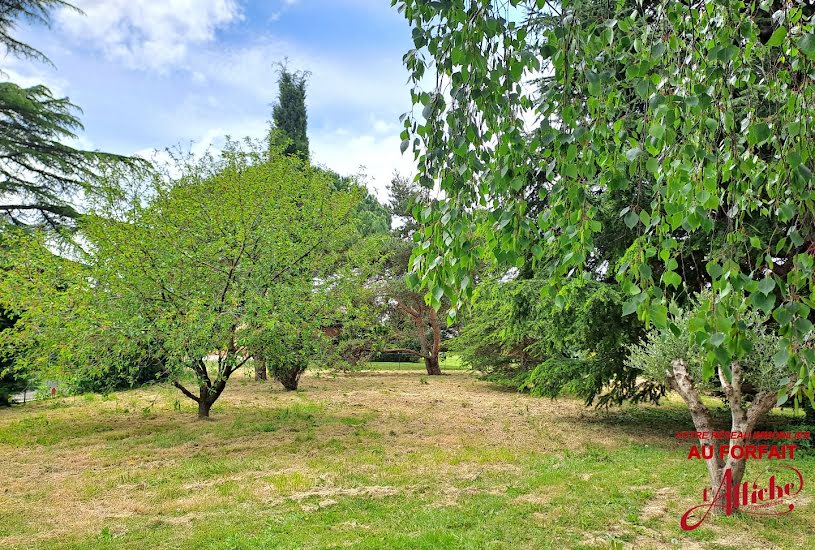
[[693, 116], [372, 218], [10, 381], [750, 390], [518, 338], [422, 317], [289, 113], [213, 260], [42, 180]]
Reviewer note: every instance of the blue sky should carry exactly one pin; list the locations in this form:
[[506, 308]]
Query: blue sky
[[151, 74]]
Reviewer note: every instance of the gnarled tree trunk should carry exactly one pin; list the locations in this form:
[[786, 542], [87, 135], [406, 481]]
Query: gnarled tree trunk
[[428, 349], [743, 420]]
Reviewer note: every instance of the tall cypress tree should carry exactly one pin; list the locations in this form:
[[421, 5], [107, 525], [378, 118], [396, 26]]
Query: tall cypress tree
[[289, 113]]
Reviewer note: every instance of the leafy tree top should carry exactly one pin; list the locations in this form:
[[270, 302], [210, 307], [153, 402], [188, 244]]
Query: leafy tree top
[[698, 113]]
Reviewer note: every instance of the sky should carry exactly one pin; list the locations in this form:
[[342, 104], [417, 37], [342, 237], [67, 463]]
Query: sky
[[152, 74]]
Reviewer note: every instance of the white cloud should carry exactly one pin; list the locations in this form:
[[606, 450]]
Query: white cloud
[[372, 83], [375, 156], [353, 104], [26, 74], [151, 34]]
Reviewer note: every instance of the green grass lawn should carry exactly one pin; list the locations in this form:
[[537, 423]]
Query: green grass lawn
[[375, 459], [446, 362]]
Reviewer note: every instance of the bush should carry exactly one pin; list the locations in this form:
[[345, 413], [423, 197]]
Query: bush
[[132, 373], [10, 384]]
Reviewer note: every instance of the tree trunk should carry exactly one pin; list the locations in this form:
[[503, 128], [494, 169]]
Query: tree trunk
[[204, 405], [432, 365], [260, 370], [722, 471]]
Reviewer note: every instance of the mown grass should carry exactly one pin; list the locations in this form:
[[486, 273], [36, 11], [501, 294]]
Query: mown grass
[[375, 459], [447, 362]]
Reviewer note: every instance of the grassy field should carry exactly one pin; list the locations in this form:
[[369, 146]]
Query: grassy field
[[447, 363], [376, 459]]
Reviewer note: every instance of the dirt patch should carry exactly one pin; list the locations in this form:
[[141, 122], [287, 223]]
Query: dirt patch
[[658, 505]]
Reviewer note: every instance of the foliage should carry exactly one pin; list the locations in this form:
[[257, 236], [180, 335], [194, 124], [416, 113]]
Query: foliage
[[695, 116], [293, 348], [212, 262], [11, 381], [371, 216], [515, 337], [41, 178], [130, 372], [654, 356], [289, 113], [33, 11]]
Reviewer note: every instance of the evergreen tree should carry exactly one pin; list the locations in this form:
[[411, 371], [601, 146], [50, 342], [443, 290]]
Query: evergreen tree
[[41, 177], [289, 114]]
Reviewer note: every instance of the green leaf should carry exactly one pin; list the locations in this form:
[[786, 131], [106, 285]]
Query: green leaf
[[672, 278], [765, 302], [803, 326], [633, 153], [657, 130], [783, 316], [413, 280], [723, 358], [807, 45], [405, 144], [778, 37], [783, 396], [629, 307], [766, 285], [631, 219], [659, 315], [758, 133], [714, 269], [438, 292]]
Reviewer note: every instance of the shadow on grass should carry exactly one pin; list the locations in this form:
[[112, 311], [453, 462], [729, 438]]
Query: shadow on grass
[[659, 423]]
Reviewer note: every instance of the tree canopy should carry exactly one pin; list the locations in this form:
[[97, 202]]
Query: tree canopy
[[690, 116]]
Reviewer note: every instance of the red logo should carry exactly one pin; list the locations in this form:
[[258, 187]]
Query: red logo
[[750, 498]]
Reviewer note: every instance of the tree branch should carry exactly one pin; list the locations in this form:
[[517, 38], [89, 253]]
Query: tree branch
[[186, 392]]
